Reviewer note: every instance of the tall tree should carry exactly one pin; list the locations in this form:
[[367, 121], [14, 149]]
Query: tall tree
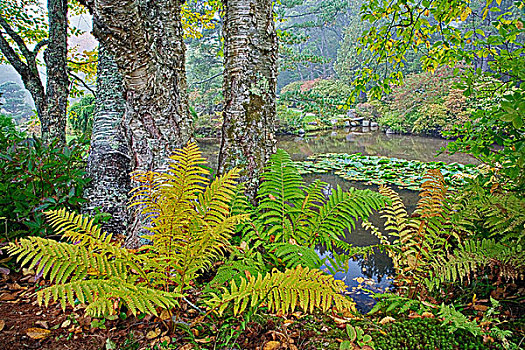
[[109, 162], [15, 19], [250, 58]]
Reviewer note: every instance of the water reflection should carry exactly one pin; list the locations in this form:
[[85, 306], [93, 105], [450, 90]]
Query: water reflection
[[370, 143]]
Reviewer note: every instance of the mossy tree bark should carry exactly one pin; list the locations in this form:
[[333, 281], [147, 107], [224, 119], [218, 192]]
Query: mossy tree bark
[[145, 38], [57, 82], [250, 56], [109, 162]]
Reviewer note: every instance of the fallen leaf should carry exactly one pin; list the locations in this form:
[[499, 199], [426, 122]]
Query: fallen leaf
[[65, 324], [38, 333], [427, 314], [480, 307], [2, 325], [42, 324], [14, 286], [203, 340], [166, 339], [387, 319], [7, 297], [272, 345], [339, 321], [27, 272], [153, 334], [164, 315]]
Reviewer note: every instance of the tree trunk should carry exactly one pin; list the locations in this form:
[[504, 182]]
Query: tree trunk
[[145, 37], [250, 51], [109, 163], [57, 86]]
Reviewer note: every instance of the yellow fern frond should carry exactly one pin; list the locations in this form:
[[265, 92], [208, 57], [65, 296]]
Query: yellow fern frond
[[102, 296], [282, 292]]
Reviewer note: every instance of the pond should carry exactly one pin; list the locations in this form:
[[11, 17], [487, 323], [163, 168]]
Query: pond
[[374, 273]]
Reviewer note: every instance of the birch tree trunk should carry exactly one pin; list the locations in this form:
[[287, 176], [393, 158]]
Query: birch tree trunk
[[145, 38], [250, 55], [109, 162]]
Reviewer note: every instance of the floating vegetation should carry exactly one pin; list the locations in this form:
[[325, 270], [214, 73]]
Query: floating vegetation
[[383, 170]]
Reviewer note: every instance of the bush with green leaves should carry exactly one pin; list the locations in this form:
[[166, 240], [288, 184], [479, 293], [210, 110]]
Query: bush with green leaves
[[323, 97], [290, 120], [37, 177]]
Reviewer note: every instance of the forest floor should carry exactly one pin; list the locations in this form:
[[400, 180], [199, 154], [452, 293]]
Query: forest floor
[[26, 325]]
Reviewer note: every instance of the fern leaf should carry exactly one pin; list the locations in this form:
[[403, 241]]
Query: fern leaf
[[282, 291]]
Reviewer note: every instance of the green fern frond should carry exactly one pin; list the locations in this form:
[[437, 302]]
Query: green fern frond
[[278, 195], [282, 292], [473, 255], [341, 211], [236, 268], [213, 203], [293, 255], [61, 262], [78, 229]]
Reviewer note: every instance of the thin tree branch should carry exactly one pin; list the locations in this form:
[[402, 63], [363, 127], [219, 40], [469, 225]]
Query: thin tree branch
[[300, 15], [81, 81], [206, 80], [81, 63], [39, 46], [12, 56], [16, 38]]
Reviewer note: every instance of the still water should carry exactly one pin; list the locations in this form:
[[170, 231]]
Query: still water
[[374, 273]]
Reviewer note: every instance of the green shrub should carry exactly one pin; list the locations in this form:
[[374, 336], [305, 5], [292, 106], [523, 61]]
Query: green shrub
[[80, 115], [37, 177], [289, 119]]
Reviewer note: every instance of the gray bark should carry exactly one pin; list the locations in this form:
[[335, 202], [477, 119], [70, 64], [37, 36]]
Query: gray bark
[[250, 52], [109, 162], [145, 38], [57, 83]]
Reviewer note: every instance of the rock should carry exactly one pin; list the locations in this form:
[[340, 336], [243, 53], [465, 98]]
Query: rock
[[353, 123], [351, 113], [300, 131], [366, 123], [333, 121], [389, 131], [373, 124], [312, 123], [347, 123]]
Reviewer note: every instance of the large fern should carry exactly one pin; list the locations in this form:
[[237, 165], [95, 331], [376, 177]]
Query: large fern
[[421, 238], [291, 211], [282, 292], [190, 223]]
